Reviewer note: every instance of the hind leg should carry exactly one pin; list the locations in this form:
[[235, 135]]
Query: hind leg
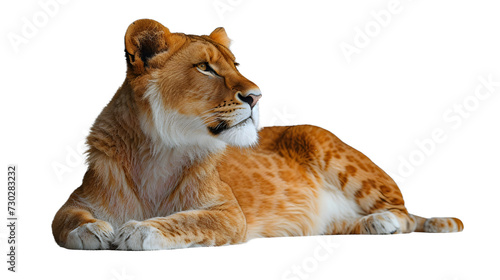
[[376, 194], [382, 203]]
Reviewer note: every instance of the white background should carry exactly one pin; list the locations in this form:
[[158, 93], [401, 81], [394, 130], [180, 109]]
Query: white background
[[413, 69]]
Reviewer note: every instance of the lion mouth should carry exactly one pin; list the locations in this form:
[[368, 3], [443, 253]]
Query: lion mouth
[[243, 122], [223, 125]]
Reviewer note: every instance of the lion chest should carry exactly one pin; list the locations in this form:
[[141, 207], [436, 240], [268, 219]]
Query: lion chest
[[156, 183]]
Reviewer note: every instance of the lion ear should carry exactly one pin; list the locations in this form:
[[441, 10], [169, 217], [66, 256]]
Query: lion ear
[[219, 35], [143, 40]]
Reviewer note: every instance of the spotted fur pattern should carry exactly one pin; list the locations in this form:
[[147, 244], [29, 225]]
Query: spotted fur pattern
[[176, 160]]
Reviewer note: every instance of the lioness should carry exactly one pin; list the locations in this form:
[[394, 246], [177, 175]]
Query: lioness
[[176, 160]]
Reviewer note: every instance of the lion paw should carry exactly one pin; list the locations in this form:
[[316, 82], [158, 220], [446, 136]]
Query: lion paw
[[380, 223], [137, 236], [91, 236]]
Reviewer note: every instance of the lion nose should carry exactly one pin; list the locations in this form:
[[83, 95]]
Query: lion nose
[[251, 98]]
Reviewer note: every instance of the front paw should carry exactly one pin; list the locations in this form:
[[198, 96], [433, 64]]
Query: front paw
[[138, 236], [91, 236]]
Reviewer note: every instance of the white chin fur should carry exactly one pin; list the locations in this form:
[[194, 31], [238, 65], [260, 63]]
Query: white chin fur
[[243, 135]]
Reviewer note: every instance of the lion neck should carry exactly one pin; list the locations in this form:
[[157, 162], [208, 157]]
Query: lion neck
[[127, 134]]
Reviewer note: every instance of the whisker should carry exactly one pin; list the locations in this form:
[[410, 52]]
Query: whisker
[[212, 109]]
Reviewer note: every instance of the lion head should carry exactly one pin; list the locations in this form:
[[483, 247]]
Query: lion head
[[190, 87]]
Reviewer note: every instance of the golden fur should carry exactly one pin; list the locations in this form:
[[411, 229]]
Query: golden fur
[[175, 160]]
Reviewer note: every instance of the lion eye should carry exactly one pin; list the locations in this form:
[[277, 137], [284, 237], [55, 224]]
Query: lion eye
[[203, 66]]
